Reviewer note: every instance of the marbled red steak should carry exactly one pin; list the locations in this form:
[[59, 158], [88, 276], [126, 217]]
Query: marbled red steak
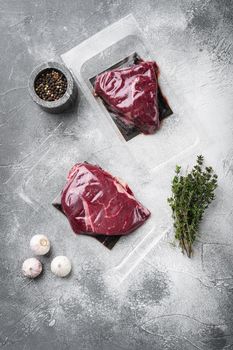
[[131, 93], [96, 203]]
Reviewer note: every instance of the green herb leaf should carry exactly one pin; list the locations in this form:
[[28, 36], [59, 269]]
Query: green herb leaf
[[191, 195]]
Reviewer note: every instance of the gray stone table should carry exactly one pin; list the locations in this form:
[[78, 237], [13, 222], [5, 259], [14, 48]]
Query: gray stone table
[[168, 301]]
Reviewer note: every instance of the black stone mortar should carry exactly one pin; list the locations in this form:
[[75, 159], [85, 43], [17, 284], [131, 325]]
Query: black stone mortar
[[66, 101]]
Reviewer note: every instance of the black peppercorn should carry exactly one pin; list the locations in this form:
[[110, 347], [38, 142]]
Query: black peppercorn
[[50, 85]]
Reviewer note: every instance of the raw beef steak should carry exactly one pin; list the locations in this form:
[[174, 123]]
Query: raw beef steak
[[95, 202], [131, 93]]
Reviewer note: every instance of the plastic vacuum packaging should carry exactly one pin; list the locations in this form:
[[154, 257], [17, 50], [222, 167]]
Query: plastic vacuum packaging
[[131, 94], [133, 156], [97, 203]]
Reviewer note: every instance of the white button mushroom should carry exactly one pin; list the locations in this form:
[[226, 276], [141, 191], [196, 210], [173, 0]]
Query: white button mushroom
[[31, 267], [61, 266], [40, 244]]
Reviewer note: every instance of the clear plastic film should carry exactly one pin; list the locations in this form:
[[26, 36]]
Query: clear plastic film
[[138, 159]]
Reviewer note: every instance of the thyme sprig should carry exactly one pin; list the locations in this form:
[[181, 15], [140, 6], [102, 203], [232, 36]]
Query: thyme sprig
[[191, 195]]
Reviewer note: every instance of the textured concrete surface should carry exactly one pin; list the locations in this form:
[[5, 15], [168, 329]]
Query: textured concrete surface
[[168, 301]]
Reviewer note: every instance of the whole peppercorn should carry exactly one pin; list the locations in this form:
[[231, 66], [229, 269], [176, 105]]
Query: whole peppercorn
[[50, 85]]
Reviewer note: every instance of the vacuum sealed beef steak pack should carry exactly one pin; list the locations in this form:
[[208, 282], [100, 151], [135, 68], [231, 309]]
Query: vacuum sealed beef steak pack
[[97, 203]]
